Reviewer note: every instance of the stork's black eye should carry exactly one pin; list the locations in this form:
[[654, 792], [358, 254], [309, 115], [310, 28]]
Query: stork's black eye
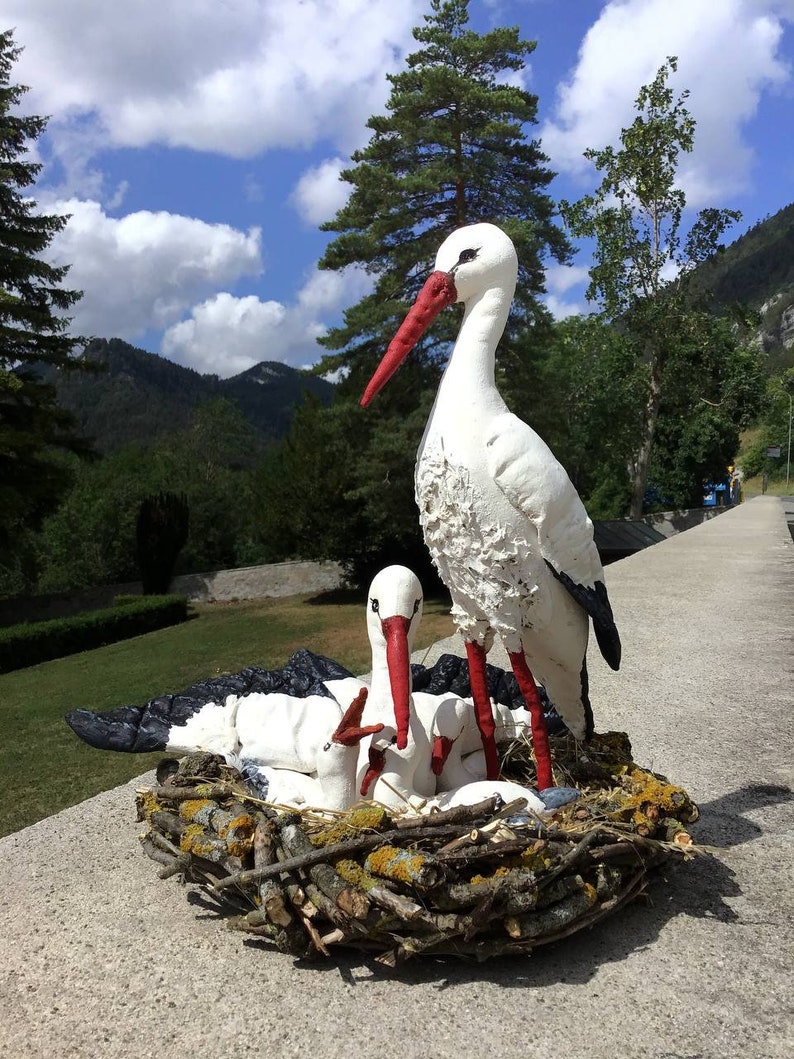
[[416, 605], [467, 255], [327, 746], [374, 606]]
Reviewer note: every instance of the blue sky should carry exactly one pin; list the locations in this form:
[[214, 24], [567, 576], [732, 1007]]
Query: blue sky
[[197, 144]]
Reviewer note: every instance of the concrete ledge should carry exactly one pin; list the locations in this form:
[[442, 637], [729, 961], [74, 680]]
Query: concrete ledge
[[100, 958]]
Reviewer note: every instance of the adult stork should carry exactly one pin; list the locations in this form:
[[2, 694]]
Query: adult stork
[[504, 525]]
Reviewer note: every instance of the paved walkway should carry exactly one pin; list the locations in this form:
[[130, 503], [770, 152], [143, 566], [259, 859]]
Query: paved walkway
[[99, 958]]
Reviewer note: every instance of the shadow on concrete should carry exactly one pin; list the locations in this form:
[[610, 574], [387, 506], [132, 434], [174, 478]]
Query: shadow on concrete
[[722, 822]]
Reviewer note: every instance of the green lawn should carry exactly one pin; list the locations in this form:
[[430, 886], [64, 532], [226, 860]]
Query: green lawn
[[44, 767]]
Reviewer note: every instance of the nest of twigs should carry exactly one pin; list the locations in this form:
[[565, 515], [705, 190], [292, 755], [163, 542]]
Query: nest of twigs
[[474, 881]]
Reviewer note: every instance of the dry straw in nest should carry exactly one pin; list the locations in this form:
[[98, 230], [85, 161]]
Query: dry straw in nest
[[474, 881]]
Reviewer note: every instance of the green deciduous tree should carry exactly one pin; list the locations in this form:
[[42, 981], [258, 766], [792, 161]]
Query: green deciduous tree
[[91, 538], [33, 329], [591, 413], [713, 388], [643, 256], [772, 429]]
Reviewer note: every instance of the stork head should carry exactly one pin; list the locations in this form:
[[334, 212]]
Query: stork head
[[452, 716], [469, 262], [394, 610]]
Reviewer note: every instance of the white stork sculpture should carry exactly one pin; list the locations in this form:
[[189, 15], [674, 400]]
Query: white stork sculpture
[[503, 523]]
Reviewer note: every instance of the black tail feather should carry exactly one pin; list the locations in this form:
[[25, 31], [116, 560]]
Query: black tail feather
[[129, 729]]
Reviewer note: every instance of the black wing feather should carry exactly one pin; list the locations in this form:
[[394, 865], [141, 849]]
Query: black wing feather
[[596, 603]]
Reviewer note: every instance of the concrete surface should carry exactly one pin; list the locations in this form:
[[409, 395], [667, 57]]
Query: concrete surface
[[98, 957]]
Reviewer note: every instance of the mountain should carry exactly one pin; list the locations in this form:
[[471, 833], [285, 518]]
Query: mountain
[[135, 396], [757, 271]]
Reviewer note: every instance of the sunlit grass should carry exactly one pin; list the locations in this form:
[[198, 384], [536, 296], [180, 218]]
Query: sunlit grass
[[44, 767], [775, 487]]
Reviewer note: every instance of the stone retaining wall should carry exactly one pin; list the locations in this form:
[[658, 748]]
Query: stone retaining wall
[[252, 582], [259, 582]]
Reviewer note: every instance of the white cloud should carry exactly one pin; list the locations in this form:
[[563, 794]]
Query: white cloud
[[560, 278], [225, 334], [237, 77], [320, 193], [728, 56], [145, 269]]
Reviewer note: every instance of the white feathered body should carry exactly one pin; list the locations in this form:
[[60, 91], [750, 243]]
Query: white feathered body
[[495, 505]]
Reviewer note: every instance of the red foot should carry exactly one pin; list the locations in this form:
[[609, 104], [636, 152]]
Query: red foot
[[482, 706], [540, 736]]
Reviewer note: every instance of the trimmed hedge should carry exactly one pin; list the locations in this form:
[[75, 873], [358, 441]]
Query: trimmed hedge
[[124, 601], [31, 643]]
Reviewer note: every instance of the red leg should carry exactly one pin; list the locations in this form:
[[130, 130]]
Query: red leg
[[540, 736], [482, 706]]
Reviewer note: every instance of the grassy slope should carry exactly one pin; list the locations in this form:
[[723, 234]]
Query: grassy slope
[[44, 767]]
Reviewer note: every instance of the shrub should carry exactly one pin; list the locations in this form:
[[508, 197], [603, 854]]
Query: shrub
[[31, 643], [123, 600]]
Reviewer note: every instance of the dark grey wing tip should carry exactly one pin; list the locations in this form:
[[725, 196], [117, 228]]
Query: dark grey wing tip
[[595, 602]]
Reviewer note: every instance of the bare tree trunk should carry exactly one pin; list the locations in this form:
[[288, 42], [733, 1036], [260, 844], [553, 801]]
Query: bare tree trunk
[[641, 463]]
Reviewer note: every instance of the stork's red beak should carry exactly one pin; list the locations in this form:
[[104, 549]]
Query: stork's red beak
[[350, 731], [437, 293], [441, 748], [398, 660], [377, 763]]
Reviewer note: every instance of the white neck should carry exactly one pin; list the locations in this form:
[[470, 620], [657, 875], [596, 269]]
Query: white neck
[[336, 774], [379, 699], [468, 388], [457, 772]]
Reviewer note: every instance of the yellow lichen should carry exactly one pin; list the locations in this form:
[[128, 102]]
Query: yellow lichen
[[498, 874], [353, 872], [195, 840], [401, 865], [191, 808], [369, 818], [239, 834], [646, 790], [146, 804]]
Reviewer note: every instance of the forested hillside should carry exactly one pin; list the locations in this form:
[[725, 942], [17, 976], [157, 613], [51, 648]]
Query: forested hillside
[[643, 400], [757, 272], [135, 396]]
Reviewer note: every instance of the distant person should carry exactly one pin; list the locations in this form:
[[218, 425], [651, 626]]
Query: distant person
[[764, 483]]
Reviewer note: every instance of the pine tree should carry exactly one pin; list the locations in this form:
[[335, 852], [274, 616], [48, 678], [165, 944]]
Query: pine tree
[[451, 151], [34, 431]]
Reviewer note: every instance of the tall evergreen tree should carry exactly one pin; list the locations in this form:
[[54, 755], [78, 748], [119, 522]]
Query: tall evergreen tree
[[33, 429], [451, 150]]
